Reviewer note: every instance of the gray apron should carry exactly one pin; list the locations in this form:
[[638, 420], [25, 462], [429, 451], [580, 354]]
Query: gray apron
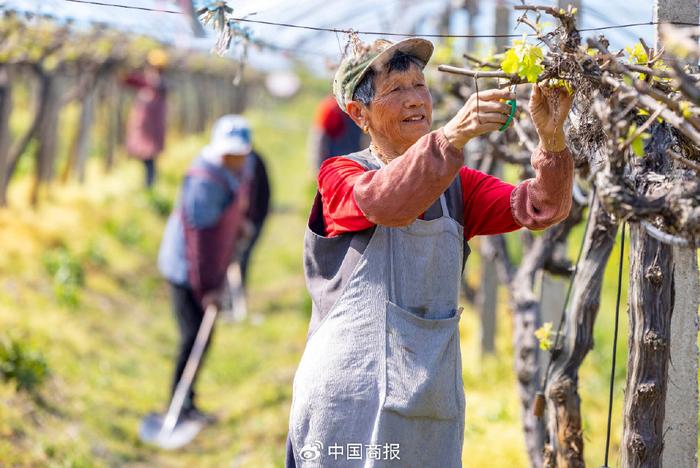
[[380, 380]]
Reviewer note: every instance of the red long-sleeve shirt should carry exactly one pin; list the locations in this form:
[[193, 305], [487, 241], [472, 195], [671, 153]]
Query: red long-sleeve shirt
[[355, 199]]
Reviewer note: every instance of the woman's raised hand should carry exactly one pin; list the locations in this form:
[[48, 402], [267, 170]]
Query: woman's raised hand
[[483, 112], [549, 107]]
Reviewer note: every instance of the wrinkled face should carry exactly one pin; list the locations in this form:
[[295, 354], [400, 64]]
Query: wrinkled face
[[402, 109]]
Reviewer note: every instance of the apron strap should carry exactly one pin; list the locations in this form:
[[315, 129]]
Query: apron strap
[[209, 175], [443, 200], [443, 205], [392, 279]]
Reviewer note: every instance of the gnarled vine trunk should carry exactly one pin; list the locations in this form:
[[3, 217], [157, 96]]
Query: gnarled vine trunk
[[526, 319], [20, 146], [650, 306], [651, 300], [565, 431]]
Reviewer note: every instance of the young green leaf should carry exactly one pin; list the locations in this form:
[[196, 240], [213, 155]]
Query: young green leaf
[[562, 84], [685, 109], [637, 145], [524, 60], [545, 334], [637, 54]]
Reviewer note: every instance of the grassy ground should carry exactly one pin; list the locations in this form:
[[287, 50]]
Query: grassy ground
[[109, 343]]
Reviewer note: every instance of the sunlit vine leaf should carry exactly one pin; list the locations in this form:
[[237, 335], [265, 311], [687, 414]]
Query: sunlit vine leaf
[[558, 83], [545, 335], [524, 60], [638, 56], [637, 145], [685, 109]]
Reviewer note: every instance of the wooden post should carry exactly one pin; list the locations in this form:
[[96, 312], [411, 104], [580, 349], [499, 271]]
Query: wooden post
[[553, 293], [80, 145], [47, 137], [552, 298], [121, 113], [110, 116], [680, 424], [5, 111], [488, 286], [86, 120], [502, 26], [444, 21], [487, 297], [190, 94], [472, 7], [684, 11]]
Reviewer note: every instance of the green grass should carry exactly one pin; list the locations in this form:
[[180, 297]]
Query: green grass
[[109, 343]]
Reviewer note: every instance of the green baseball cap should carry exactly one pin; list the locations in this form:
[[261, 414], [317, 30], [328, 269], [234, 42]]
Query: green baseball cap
[[353, 66]]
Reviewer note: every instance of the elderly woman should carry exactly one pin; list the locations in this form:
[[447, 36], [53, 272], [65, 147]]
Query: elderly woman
[[380, 379]]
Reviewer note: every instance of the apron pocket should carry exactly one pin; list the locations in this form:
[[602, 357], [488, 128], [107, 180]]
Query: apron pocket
[[421, 364]]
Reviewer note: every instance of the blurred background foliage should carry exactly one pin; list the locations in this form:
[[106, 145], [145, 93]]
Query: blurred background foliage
[[86, 323]]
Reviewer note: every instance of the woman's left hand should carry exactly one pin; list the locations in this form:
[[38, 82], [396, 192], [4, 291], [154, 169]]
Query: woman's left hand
[[549, 107]]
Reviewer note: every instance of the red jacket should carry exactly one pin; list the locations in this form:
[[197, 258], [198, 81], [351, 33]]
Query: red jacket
[[354, 199]]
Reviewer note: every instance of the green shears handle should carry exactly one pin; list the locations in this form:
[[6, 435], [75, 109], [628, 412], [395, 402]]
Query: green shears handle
[[512, 104]]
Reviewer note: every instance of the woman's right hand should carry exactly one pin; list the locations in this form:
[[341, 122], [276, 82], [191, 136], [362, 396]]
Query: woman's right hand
[[482, 113]]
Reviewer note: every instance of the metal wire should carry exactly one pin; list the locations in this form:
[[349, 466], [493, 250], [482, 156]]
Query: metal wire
[[383, 33], [614, 353], [126, 7]]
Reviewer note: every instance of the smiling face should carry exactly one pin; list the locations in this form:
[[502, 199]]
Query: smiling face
[[401, 111]]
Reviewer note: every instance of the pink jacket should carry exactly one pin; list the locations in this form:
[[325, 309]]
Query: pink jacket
[[145, 133]]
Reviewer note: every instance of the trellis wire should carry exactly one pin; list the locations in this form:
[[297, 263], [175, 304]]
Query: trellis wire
[[617, 323], [384, 33]]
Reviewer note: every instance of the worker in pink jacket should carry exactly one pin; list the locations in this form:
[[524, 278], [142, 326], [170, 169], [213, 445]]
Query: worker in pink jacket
[[145, 131]]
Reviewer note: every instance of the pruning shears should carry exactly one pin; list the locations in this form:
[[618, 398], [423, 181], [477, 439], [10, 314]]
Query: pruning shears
[[513, 104]]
